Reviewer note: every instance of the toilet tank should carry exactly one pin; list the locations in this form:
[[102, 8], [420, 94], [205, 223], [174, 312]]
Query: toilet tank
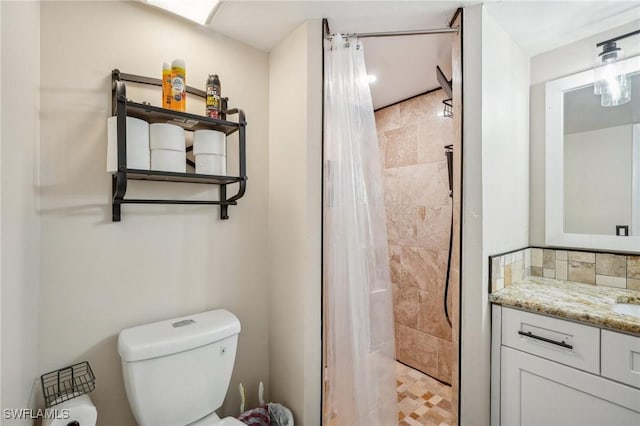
[[178, 371]]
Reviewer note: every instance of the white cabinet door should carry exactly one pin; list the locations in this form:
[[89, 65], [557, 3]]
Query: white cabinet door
[[621, 357], [539, 392]]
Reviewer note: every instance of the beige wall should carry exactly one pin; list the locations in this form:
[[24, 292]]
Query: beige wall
[[412, 137], [496, 184], [505, 139], [560, 62], [295, 165], [20, 59], [99, 277]]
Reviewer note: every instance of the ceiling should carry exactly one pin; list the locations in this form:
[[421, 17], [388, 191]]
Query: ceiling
[[405, 66], [264, 23], [582, 110], [540, 26], [537, 26]]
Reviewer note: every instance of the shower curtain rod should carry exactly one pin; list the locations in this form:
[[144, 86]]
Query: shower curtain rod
[[400, 33]]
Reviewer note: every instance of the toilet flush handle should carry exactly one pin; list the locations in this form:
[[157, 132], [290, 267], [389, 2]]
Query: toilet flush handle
[[183, 323]]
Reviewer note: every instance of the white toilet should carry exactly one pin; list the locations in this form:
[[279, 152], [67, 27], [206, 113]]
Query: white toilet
[[177, 372]]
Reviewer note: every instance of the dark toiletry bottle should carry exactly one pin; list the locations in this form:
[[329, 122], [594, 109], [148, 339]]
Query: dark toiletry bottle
[[213, 96]]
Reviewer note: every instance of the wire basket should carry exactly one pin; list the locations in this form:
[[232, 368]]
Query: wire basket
[[67, 383]]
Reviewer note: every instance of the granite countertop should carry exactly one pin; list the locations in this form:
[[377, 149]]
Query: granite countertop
[[589, 304]]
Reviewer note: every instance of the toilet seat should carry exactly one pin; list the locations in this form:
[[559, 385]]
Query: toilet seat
[[231, 421], [213, 420]]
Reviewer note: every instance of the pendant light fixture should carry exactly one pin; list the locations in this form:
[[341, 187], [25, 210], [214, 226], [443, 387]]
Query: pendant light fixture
[[611, 83]]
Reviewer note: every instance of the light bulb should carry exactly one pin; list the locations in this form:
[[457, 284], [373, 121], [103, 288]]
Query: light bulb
[[604, 74], [607, 67], [618, 92], [610, 80]]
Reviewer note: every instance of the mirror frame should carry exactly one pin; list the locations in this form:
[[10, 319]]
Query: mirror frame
[[554, 169]]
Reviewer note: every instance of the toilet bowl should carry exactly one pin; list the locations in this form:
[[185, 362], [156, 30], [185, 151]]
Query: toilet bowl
[[177, 372]]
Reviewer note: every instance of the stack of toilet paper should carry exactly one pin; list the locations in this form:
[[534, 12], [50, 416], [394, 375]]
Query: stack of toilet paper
[[137, 144], [77, 411], [161, 146], [210, 150], [168, 152]]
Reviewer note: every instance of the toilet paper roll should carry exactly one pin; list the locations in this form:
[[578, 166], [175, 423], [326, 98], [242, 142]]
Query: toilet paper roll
[[166, 136], [168, 161], [209, 142], [79, 409], [137, 144], [211, 164]]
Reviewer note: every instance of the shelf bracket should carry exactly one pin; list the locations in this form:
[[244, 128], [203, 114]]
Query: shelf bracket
[[241, 190], [224, 208], [115, 206], [119, 179], [118, 189]]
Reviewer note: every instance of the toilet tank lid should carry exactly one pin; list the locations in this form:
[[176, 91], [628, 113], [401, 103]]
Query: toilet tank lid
[[176, 335]]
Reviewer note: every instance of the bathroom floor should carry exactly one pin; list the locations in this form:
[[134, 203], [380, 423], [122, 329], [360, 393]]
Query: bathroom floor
[[422, 400]]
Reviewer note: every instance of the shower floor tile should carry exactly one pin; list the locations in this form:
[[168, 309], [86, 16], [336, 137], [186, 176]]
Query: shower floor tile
[[422, 400]]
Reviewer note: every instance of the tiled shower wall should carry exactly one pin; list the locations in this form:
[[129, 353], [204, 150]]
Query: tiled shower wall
[[412, 137]]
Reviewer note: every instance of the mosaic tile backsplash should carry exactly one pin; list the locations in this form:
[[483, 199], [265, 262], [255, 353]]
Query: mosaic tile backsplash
[[602, 269]]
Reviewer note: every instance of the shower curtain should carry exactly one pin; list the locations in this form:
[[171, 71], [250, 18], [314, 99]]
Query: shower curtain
[[360, 373]]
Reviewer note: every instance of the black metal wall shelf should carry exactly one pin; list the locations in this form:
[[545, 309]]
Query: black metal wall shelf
[[121, 108], [188, 121], [180, 177]]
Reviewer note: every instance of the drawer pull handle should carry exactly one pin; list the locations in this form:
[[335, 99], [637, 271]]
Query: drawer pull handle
[[544, 339]]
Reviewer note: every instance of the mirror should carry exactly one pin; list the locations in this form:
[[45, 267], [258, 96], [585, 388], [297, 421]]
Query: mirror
[[599, 163], [592, 165]]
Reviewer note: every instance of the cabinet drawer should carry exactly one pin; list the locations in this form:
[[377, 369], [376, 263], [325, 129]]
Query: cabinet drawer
[[562, 341], [621, 357]]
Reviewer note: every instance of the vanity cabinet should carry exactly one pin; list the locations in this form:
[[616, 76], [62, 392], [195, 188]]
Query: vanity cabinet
[[548, 371]]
